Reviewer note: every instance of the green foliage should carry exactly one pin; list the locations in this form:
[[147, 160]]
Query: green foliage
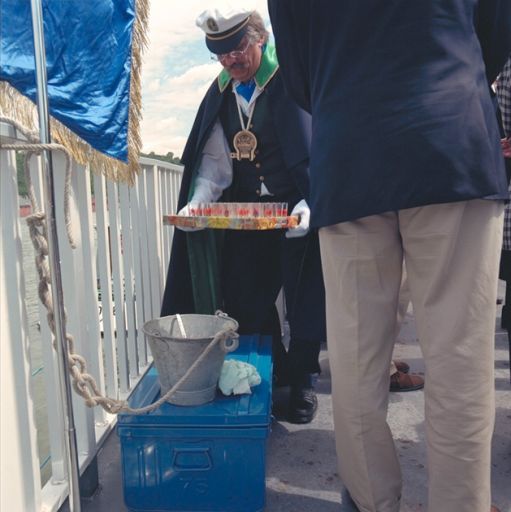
[[169, 157], [22, 186]]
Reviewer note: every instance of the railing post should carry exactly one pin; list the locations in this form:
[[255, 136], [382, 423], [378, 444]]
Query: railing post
[[138, 254], [20, 482], [118, 284], [129, 280], [105, 277], [154, 224]]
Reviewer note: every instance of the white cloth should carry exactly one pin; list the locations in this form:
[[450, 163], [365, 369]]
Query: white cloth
[[452, 255], [237, 377]]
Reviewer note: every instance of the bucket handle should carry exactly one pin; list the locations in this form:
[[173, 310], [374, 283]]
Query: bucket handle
[[229, 341], [229, 344]]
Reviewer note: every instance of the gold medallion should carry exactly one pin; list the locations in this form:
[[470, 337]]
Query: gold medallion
[[245, 143]]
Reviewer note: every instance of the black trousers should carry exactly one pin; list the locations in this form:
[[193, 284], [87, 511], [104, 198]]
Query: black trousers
[[255, 266]]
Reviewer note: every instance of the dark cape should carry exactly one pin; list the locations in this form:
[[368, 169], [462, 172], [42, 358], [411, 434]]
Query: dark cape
[[193, 278]]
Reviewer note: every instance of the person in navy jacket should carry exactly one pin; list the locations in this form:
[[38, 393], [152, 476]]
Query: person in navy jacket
[[405, 164]]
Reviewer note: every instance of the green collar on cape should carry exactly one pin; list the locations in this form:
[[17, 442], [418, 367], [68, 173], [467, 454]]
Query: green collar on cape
[[267, 68]]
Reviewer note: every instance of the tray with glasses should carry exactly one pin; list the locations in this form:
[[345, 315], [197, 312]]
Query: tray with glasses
[[253, 216]]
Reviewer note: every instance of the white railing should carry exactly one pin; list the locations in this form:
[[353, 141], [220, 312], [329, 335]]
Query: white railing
[[115, 277]]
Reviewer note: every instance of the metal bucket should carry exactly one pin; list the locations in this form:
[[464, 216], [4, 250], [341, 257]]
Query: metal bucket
[[174, 354]]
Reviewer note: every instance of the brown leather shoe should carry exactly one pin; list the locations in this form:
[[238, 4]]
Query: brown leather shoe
[[401, 366], [494, 509], [400, 381]]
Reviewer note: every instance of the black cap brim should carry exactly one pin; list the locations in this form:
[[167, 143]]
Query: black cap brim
[[225, 43]]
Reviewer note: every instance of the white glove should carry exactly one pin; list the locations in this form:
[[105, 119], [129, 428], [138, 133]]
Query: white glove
[[303, 210], [185, 212], [205, 192]]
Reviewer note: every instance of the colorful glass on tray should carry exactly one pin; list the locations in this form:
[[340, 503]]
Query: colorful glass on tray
[[239, 210], [258, 216]]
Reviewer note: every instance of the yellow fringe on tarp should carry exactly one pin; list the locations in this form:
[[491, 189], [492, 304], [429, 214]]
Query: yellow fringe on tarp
[[13, 104]]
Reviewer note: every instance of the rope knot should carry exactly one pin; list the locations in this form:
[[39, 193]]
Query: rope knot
[[91, 402]]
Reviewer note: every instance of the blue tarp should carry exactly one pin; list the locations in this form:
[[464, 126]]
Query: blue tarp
[[88, 53]]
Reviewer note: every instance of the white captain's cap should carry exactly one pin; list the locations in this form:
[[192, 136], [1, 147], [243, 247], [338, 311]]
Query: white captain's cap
[[224, 29]]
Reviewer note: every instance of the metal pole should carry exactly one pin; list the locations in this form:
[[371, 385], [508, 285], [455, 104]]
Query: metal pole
[[71, 451]]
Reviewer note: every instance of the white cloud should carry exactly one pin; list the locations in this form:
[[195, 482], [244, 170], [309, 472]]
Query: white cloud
[[177, 70], [180, 92]]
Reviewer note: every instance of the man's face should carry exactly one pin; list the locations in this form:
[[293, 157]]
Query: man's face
[[242, 63]]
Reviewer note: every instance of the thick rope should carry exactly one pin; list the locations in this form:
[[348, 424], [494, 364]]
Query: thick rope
[[33, 147], [83, 383]]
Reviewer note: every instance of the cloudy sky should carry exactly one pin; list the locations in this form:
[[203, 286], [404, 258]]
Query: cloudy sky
[[177, 70]]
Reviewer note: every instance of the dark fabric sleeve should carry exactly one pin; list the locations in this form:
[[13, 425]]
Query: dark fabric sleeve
[[294, 130], [493, 24], [289, 20]]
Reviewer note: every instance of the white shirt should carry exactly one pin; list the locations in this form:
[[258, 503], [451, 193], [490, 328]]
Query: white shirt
[[215, 170]]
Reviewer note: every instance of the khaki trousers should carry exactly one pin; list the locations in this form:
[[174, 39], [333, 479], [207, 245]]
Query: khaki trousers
[[451, 252]]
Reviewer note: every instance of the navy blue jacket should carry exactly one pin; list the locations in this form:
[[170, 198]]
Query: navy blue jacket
[[399, 96]]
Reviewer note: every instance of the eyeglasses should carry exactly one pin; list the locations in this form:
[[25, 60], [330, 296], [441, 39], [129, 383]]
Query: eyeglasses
[[235, 54]]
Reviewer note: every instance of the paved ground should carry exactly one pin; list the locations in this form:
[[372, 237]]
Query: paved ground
[[301, 470]]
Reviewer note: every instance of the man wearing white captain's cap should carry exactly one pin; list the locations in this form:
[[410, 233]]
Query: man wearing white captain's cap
[[224, 30], [249, 143]]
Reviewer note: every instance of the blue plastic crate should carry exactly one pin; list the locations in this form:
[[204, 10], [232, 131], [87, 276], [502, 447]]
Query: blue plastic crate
[[208, 458]]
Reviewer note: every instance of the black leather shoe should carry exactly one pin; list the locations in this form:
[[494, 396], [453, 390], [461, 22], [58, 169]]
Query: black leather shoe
[[303, 405]]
